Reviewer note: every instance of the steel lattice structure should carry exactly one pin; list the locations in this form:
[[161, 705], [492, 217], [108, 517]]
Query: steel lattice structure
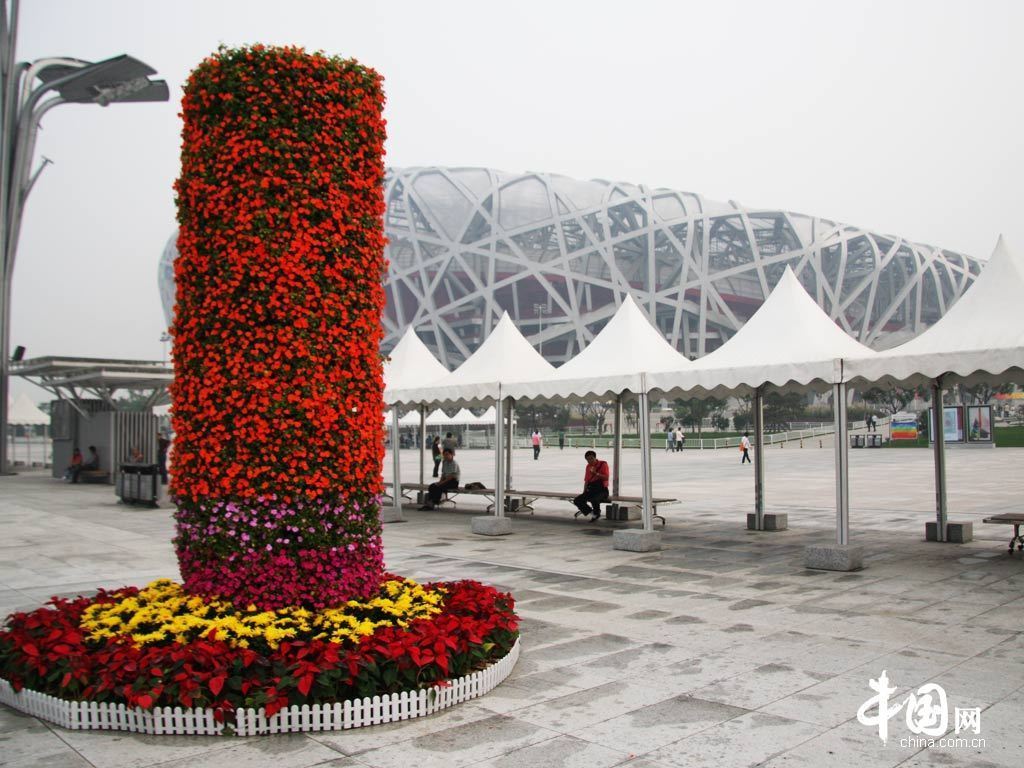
[[559, 254]]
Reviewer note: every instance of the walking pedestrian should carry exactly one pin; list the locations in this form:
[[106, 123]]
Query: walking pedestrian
[[535, 439], [435, 453], [745, 447]]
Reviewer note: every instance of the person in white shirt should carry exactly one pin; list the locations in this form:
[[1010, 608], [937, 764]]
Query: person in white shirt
[[745, 447]]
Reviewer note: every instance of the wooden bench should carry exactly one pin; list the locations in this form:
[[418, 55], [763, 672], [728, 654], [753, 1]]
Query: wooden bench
[[94, 476], [528, 497], [1016, 519], [449, 495]]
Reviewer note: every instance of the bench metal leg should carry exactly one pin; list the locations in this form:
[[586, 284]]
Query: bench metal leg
[[1017, 538]]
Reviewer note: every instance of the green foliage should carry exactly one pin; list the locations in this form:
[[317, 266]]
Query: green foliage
[[891, 398], [783, 408], [693, 411]]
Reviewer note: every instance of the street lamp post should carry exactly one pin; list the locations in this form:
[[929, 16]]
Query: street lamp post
[[27, 92], [540, 310], [164, 338]]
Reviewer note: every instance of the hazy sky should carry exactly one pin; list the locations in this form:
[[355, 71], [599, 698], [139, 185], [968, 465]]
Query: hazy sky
[[901, 117]]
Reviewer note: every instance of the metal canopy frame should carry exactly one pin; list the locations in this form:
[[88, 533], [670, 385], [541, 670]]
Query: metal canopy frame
[[74, 379]]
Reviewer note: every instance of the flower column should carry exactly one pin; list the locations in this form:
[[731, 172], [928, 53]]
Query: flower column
[[278, 387]]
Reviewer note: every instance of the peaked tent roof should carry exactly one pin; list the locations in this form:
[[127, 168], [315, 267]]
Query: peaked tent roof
[[23, 412], [505, 356], [612, 363], [410, 364], [789, 340], [980, 337]]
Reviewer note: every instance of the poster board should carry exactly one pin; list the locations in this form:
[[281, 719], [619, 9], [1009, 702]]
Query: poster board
[[952, 424], [979, 424], [903, 427]]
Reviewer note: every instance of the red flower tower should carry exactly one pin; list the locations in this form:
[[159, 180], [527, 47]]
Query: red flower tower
[[278, 387]]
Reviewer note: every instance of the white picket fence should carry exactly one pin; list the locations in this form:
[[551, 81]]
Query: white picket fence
[[353, 713]]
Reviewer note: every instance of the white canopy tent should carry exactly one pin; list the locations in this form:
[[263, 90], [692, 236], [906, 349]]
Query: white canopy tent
[[409, 364], [789, 343], [979, 338], [505, 356], [612, 365], [23, 412]]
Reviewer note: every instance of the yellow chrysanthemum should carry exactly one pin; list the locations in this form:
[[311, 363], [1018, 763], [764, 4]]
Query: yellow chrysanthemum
[[162, 611]]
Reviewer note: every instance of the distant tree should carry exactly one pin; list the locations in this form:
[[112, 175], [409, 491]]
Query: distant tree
[[132, 401], [545, 416], [742, 420], [891, 398], [980, 394], [693, 411], [594, 413], [783, 408]]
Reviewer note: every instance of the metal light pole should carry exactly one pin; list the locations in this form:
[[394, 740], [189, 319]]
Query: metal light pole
[[540, 310], [27, 92], [164, 338]]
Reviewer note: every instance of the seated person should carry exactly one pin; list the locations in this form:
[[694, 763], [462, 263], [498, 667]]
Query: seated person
[[595, 487], [449, 479], [71, 473], [135, 456], [93, 462]]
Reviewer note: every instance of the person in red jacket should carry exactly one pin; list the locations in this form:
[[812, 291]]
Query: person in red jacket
[[595, 487]]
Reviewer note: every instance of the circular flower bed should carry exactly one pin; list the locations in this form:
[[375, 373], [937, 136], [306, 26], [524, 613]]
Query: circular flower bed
[[160, 646]]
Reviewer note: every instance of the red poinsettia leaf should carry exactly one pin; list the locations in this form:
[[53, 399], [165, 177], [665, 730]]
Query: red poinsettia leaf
[[217, 684]]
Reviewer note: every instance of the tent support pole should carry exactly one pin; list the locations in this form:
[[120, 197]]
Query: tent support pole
[[499, 469], [645, 455], [939, 436], [842, 465], [758, 408], [509, 435], [617, 452], [396, 469], [423, 439]]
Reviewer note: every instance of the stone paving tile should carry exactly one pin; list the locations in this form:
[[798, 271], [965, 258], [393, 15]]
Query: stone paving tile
[[647, 728], [559, 752], [282, 751], [909, 666], [747, 740], [763, 684], [358, 740], [25, 741], [829, 703], [611, 636], [850, 745], [132, 750], [569, 713], [460, 745]]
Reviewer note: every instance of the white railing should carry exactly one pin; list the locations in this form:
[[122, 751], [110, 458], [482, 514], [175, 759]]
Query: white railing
[[353, 713], [35, 451]]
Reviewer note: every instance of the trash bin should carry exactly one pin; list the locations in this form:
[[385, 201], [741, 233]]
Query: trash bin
[[874, 441], [139, 484], [856, 441]]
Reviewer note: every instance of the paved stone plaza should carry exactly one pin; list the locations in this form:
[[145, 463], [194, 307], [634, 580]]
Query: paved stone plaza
[[720, 650]]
